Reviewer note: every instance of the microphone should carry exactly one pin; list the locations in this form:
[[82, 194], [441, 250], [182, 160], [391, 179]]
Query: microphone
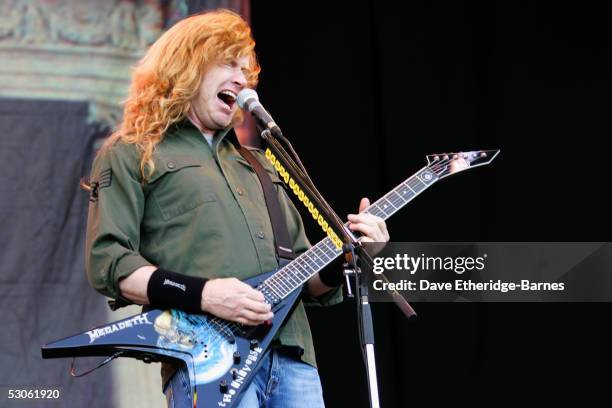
[[249, 100]]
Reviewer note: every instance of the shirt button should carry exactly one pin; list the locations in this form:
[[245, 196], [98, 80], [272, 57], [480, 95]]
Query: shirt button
[[240, 191], [260, 235], [171, 165]]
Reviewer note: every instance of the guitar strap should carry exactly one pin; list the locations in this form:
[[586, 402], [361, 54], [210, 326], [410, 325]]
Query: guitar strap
[[282, 242]]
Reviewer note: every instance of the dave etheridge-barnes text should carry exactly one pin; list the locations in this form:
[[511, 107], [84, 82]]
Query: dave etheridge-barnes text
[[467, 285]]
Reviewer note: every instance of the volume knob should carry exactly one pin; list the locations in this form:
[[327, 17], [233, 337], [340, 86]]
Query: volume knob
[[236, 357], [223, 386]]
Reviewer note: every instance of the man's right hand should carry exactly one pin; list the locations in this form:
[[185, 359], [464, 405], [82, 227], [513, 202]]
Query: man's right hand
[[231, 299]]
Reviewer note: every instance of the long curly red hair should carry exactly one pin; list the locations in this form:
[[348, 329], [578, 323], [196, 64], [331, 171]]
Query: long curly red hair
[[167, 78]]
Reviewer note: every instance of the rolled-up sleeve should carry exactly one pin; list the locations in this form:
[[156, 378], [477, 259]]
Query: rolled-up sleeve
[[113, 225]]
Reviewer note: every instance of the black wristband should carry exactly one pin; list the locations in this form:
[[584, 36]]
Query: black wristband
[[332, 275], [171, 290]]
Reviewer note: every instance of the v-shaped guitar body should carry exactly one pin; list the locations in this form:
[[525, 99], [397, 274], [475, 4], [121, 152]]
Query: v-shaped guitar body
[[221, 356]]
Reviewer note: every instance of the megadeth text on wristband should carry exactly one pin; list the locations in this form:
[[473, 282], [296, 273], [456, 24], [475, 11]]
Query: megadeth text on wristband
[[171, 290]]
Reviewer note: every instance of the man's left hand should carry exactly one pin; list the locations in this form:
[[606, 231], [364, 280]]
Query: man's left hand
[[373, 228]]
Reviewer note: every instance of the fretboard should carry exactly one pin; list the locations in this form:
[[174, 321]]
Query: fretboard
[[297, 272]]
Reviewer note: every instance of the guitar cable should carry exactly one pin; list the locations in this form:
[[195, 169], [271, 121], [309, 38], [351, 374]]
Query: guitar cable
[[74, 374]]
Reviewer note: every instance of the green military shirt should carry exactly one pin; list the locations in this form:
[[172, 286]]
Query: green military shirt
[[201, 213]]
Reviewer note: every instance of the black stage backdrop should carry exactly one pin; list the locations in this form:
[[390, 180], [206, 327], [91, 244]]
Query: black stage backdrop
[[366, 89]]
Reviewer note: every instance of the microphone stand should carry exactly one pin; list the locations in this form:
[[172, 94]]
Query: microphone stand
[[352, 249]]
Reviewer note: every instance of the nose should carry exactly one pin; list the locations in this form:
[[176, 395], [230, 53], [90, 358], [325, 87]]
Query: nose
[[239, 78]]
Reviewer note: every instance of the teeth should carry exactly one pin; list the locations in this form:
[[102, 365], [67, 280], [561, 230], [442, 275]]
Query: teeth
[[229, 93]]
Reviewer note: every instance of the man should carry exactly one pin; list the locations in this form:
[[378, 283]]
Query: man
[[174, 201]]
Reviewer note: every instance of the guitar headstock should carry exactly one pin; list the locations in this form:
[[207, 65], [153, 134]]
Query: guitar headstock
[[443, 166]]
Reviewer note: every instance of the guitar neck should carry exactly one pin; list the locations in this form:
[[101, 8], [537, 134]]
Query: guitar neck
[[297, 272]]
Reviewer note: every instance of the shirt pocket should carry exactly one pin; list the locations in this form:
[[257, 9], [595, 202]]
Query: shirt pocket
[[179, 185], [276, 181]]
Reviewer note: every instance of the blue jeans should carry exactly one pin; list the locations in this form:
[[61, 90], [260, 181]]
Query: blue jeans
[[281, 382]]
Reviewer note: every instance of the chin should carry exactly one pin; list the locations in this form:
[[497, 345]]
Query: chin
[[222, 123]]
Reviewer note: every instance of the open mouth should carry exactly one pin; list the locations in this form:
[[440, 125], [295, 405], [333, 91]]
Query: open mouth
[[227, 97]]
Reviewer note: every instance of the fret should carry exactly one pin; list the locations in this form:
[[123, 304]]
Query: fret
[[272, 289], [291, 278], [269, 296], [307, 266], [280, 282], [416, 185], [272, 281], [405, 191], [323, 252], [280, 293], [301, 275], [287, 281], [299, 272], [375, 210], [395, 199], [386, 206], [319, 258], [313, 259], [328, 244], [332, 251], [381, 213]]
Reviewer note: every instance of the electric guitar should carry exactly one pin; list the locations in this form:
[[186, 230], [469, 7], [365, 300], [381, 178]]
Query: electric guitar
[[222, 356]]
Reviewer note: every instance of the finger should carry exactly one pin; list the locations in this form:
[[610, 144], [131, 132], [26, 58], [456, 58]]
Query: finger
[[383, 227], [366, 229], [258, 307], [252, 293], [362, 217], [363, 204], [258, 318], [367, 219]]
